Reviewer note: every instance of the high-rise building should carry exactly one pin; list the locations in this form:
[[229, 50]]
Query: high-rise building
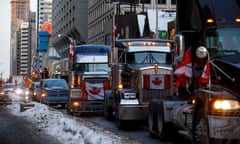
[[24, 49], [44, 16], [20, 12], [44, 11]]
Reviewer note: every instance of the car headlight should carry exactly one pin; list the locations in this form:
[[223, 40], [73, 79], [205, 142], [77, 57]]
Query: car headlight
[[226, 105], [2, 92], [43, 94], [19, 91], [27, 97], [27, 92]]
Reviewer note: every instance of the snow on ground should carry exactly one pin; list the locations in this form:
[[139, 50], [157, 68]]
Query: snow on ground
[[68, 129]]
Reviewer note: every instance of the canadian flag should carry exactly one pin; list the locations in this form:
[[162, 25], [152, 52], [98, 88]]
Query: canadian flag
[[71, 50], [114, 29], [184, 70], [206, 74]]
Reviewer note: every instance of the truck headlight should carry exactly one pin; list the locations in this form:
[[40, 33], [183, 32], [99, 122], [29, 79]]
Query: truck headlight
[[76, 104], [226, 105]]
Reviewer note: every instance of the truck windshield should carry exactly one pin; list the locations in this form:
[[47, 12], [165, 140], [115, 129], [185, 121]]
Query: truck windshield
[[148, 58], [91, 67], [223, 41]]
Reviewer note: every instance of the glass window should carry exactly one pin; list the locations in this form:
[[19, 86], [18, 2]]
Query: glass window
[[92, 67], [148, 58], [226, 40]]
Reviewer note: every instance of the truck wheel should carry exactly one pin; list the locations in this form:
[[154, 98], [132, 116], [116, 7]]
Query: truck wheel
[[119, 123], [162, 127], [109, 113], [150, 123], [201, 129]]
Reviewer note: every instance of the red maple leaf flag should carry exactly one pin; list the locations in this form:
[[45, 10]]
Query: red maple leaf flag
[[184, 70], [71, 49], [205, 74]]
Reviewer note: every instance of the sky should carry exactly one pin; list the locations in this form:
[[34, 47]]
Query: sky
[[68, 129], [5, 15], [5, 38]]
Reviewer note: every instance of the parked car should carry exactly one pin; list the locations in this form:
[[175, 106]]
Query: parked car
[[2, 94], [53, 92], [8, 87], [19, 90]]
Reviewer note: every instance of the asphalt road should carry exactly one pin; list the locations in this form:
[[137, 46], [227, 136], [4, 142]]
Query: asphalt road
[[16, 130]]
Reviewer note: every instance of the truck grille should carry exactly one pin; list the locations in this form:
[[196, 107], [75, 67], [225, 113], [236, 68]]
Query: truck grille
[[155, 86], [149, 94]]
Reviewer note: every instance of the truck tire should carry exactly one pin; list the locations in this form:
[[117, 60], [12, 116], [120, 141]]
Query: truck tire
[[152, 117], [150, 123], [120, 123], [201, 129], [162, 126], [109, 113]]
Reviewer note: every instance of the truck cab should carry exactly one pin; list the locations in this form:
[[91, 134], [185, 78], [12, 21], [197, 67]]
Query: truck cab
[[203, 28], [89, 78], [141, 71]]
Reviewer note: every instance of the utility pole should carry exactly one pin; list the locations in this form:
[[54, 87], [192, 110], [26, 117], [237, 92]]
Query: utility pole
[[114, 29], [156, 8]]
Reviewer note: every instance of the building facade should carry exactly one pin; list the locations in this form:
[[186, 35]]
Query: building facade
[[20, 13], [24, 49], [42, 58], [69, 22], [101, 13]]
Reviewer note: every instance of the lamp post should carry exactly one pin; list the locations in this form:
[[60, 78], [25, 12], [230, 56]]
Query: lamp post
[[114, 29]]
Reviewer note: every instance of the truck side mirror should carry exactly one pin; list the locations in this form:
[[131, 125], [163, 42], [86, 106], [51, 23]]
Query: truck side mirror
[[179, 48]]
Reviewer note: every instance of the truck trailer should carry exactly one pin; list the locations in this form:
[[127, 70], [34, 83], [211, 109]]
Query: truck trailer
[[205, 106]]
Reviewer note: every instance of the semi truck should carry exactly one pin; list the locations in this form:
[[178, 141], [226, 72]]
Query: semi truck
[[205, 106], [89, 77], [141, 71]]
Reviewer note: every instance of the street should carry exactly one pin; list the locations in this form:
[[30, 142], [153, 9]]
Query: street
[[17, 130], [37, 127]]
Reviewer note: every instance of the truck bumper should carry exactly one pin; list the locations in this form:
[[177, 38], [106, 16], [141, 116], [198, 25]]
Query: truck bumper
[[224, 127], [133, 112], [86, 106]]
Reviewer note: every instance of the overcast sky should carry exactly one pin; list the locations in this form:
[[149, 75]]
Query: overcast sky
[[5, 36]]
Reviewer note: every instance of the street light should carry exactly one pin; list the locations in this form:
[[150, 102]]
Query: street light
[[114, 29]]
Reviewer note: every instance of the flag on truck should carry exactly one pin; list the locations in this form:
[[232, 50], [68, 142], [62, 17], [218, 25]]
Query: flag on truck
[[93, 91], [206, 74], [184, 70]]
